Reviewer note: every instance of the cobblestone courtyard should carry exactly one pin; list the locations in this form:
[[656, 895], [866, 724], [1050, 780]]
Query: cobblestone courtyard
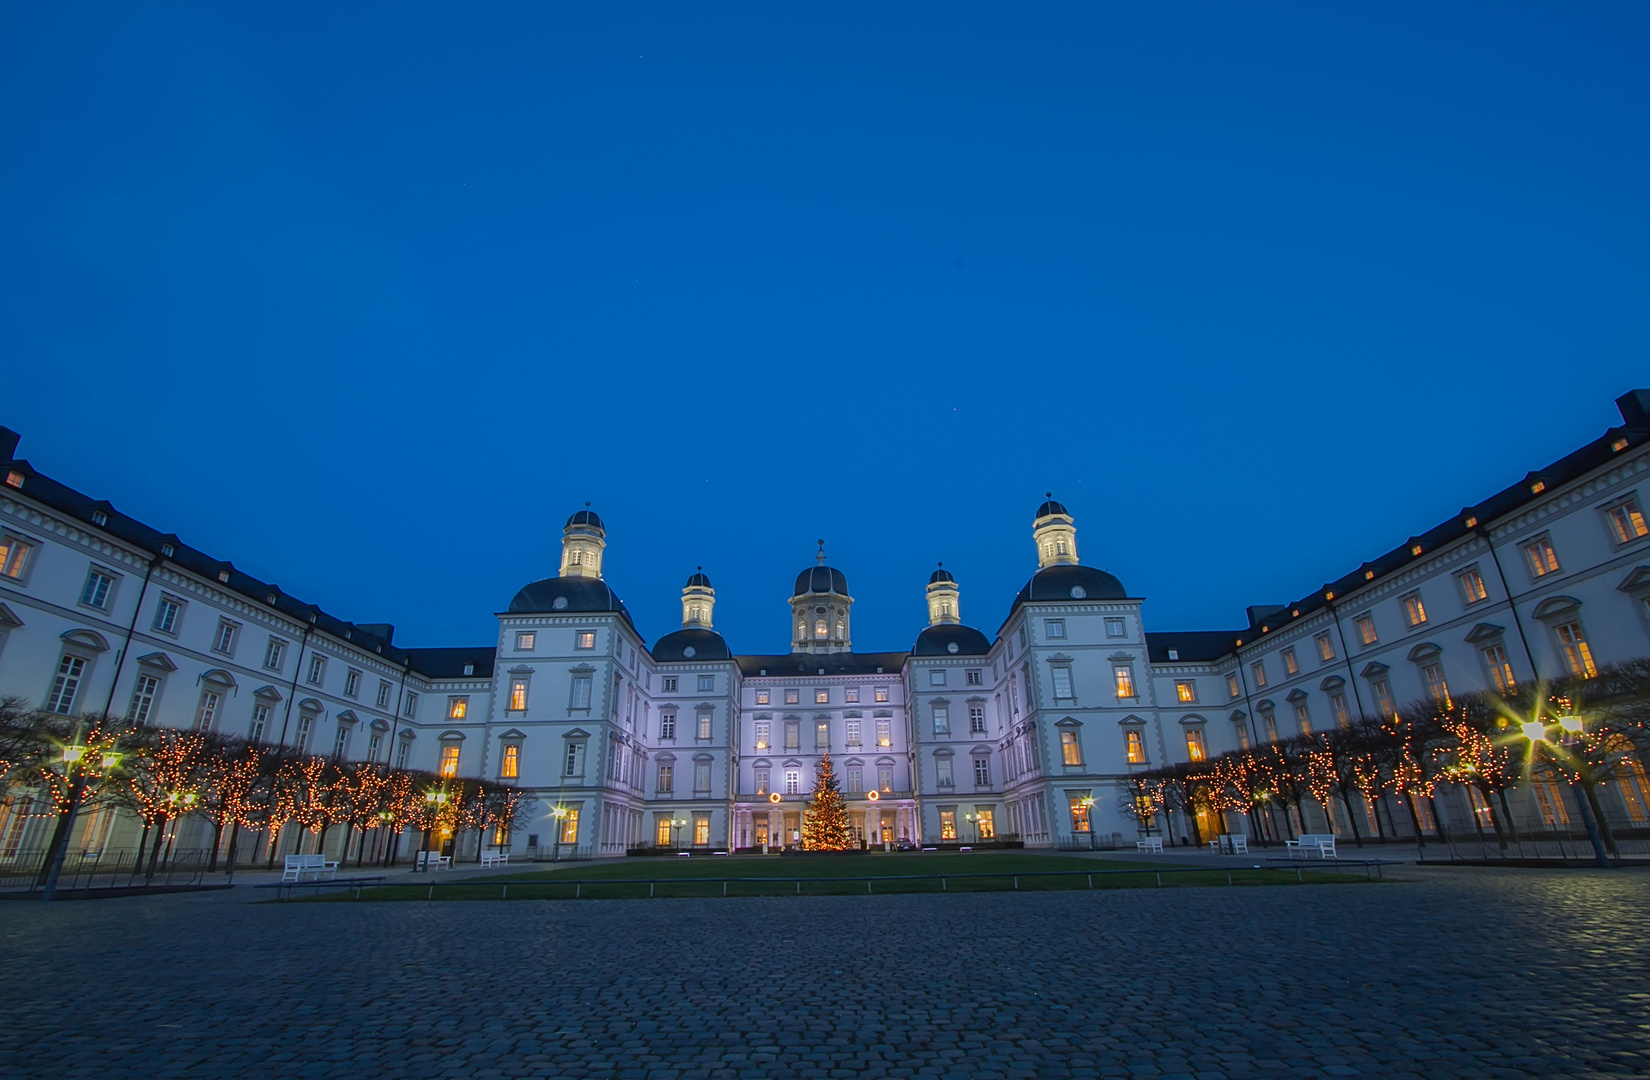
[[1447, 973]]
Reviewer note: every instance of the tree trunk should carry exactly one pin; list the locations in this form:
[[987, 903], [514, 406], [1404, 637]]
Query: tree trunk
[[1351, 817], [1506, 814], [1437, 818], [217, 842], [1604, 831], [1414, 820], [234, 835], [154, 850]]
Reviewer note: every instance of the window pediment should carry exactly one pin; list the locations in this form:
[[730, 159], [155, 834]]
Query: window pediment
[[1120, 657], [1264, 705], [576, 733], [159, 661], [9, 619], [667, 756], [1484, 632], [1130, 720], [310, 705], [380, 725], [1295, 695], [513, 735], [1192, 720], [1067, 722], [1374, 670], [703, 757], [980, 751], [348, 717], [1238, 716], [1638, 581], [1331, 684], [451, 736], [86, 639], [580, 669], [1556, 607], [224, 678], [520, 670], [1424, 652], [944, 751], [1059, 658]]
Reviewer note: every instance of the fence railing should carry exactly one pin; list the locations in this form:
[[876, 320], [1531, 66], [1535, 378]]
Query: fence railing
[[115, 869], [1563, 847]]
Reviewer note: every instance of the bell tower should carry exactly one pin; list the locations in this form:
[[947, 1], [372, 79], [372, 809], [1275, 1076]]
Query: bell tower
[[582, 541], [1055, 535], [821, 609], [698, 601], [944, 603]]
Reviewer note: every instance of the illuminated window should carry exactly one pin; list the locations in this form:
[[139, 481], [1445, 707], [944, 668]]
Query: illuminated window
[[509, 765], [525, 640], [449, 760], [518, 695], [1125, 680], [1366, 629], [1326, 648], [942, 770], [584, 639], [793, 781], [1195, 750], [1549, 799], [1501, 672], [885, 735], [822, 697], [762, 781], [1079, 815], [822, 734], [702, 729], [976, 719], [1062, 684], [1577, 656], [1384, 702], [792, 697], [661, 832], [1257, 671], [701, 829], [1627, 521], [793, 734], [885, 777], [1232, 686], [1071, 751], [1134, 746], [762, 733], [1337, 705], [1303, 717], [1472, 586], [1242, 735], [851, 695], [14, 557], [1270, 723], [458, 708], [1415, 613], [948, 824], [207, 711], [821, 632], [570, 826], [762, 696], [1291, 666], [1634, 787], [1542, 558], [881, 694]]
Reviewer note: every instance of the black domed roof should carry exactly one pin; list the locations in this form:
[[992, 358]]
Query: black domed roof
[[821, 579], [939, 641], [941, 574], [586, 517], [697, 579], [555, 595], [694, 643], [1050, 507], [1071, 583]]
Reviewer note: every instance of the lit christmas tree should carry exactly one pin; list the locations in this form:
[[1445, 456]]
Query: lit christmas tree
[[825, 827]]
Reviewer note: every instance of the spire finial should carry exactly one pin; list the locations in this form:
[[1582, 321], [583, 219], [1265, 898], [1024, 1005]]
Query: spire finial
[[942, 562], [1049, 494], [698, 568], [820, 558], [587, 502]]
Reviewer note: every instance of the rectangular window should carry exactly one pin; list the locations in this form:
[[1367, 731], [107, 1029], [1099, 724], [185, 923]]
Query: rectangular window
[[1257, 671], [570, 825], [661, 832], [762, 730], [581, 692], [143, 699], [701, 829], [306, 725], [1195, 750], [1472, 586], [1270, 722], [885, 778], [986, 822], [851, 695], [1337, 704], [1242, 733], [1291, 666], [762, 781], [449, 760], [1415, 612], [1079, 815], [1115, 628], [1433, 675], [206, 713], [1326, 648], [1134, 745], [411, 706], [852, 724], [942, 720], [401, 753], [936, 677], [982, 771], [458, 708], [822, 734], [66, 686], [1366, 629], [1125, 680], [762, 696], [518, 695], [1501, 672], [667, 773], [793, 781], [1071, 752], [1062, 684], [317, 670], [974, 677], [856, 780], [274, 654], [667, 728], [942, 769], [1303, 718], [384, 689], [374, 744], [96, 592], [574, 764], [1627, 521], [1054, 628], [509, 765], [14, 557], [884, 734], [881, 694], [260, 723], [1577, 656], [525, 640], [703, 734], [352, 683], [1542, 558], [1384, 702], [793, 734], [167, 614], [1232, 686], [669, 686], [584, 639], [1549, 799], [340, 743], [822, 697], [948, 824], [707, 684], [701, 778], [1185, 690], [976, 719], [792, 697]]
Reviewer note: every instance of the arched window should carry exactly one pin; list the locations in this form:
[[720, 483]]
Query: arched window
[[841, 629], [819, 628]]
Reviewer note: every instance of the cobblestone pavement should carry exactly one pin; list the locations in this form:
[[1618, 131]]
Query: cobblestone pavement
[[1452, 972]]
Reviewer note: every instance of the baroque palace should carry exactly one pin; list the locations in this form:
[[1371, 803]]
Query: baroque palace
[[1024, 733]]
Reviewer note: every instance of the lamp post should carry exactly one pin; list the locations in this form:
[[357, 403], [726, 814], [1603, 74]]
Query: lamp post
[[560, 813], [1088, 818], [675, 826], [973, 822], [384, 818], [1571, 726]]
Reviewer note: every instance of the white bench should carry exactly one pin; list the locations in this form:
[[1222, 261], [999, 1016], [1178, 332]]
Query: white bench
[[495, 858], [434, 860], [1320, 844], [1153, 844], [299, 865], [1230, 844]]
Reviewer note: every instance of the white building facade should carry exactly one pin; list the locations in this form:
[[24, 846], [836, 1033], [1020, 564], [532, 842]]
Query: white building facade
[[964, 738]]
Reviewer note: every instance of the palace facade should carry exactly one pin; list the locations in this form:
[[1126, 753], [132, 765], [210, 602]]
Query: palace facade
[[1026, 732]]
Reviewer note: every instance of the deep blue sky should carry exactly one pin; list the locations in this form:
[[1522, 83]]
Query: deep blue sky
[[369, 301]]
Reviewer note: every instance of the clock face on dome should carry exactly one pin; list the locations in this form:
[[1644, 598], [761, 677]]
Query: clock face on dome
[[559, 603], [689, 652], [1078, 592], [951, 647]]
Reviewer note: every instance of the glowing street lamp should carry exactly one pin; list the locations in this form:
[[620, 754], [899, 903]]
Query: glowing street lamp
[[436, 799], [561, 815], [1572, 725], [1534, 730], [1088, 817], [676, 825]]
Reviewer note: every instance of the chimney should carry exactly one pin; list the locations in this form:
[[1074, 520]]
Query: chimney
[[8, 444], [379, 629], [1634, 406]]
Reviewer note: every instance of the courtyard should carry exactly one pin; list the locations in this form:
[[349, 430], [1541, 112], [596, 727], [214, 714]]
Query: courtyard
[[1437, 972]]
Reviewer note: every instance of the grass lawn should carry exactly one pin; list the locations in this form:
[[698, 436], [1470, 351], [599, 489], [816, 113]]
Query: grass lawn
[[824, 875]]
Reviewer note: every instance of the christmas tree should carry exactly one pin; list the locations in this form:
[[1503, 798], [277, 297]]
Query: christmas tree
[[825, 828]]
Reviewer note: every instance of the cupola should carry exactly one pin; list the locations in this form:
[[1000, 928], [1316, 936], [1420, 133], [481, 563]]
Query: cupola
[[1055, 534], [944, 606], [821, 609], [582, 541], [698, 601]]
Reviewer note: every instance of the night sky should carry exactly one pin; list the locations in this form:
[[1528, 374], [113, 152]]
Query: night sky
[[369, 300]]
